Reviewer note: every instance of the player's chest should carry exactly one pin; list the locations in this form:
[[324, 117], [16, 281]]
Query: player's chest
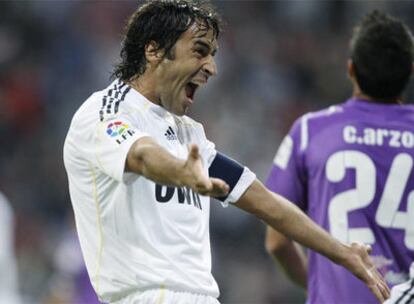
[[170, 137], [178, 198], [181, 204]]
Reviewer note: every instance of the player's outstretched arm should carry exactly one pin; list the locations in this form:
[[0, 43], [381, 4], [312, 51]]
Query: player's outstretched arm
[[289, 254], [285, 217], [146, 157]]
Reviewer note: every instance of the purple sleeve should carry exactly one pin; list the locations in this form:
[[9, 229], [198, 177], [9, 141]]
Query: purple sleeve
[[288, 175]]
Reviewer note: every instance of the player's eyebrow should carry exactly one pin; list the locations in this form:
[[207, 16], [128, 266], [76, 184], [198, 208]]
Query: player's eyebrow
[[206, 45]]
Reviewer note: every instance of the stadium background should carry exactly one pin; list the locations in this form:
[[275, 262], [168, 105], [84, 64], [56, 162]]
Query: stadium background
[[276, 61]]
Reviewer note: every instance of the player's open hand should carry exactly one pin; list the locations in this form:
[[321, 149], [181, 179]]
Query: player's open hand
[[360, 264], [198, 180]]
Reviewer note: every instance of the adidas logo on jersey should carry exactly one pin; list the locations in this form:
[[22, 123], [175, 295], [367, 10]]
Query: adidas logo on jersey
[[170, 134]]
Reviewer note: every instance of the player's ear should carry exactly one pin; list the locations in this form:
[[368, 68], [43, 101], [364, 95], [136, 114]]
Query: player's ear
[[350, 69], [153, 54]]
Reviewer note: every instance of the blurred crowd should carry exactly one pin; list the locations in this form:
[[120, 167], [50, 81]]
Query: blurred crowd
[[277, 60]]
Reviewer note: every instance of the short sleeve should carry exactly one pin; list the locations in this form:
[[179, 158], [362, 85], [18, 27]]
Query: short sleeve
[[288, 174], [207, 147], [114, 138]]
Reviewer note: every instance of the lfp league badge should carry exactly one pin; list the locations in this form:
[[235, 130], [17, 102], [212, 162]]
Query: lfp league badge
[[119, 130]]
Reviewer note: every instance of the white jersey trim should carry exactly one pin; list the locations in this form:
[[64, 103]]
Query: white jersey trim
[[304, 137], [96, 277]]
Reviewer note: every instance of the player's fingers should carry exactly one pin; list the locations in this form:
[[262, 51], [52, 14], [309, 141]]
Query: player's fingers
[[379, 295], [375, 289], [220, 187], [368, 248], [204, 186], [193, 151], [385, 290], [379, 283], [382, 285]]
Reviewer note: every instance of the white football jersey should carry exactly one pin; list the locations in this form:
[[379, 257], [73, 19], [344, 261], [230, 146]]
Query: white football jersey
[[136, 235]]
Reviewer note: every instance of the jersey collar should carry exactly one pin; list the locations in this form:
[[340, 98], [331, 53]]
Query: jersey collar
[[372, 105]]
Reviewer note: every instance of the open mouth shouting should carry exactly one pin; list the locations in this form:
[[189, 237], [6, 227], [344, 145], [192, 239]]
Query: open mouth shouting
[[190, 89]]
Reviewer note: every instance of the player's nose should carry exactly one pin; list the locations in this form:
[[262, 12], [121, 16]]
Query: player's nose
[[210, 67]]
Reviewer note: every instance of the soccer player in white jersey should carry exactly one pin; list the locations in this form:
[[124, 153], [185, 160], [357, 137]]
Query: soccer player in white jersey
[[8, 274], [141, 172]]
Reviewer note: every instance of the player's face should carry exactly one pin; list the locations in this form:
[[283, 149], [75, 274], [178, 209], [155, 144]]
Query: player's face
[[191, 66]]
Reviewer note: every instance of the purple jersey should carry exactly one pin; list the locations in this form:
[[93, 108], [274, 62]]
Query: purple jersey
[[350, 168]]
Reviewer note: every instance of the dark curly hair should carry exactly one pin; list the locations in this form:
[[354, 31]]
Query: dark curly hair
[[382, 53], [163, 22]]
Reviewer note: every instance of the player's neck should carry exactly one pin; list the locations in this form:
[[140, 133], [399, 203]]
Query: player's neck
[[144, 87], [360, 95]]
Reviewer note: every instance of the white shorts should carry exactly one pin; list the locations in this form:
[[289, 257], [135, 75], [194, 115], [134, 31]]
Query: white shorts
[[166, 296], [402, 293]]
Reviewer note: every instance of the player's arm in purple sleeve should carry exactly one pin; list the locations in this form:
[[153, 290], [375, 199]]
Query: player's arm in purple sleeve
[[147, 158], [289, 254]]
